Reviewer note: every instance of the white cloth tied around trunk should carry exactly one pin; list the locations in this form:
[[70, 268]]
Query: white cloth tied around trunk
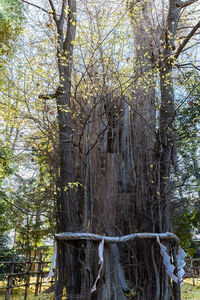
[[53, 264], [101, 248], [90, 236], [169, 267], [166, 261], [181, 264]]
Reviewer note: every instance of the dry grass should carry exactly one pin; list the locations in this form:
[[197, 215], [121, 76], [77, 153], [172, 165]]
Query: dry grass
[[188, 291], [18, 294]]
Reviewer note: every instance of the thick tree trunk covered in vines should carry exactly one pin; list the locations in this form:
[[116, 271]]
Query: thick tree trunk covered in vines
[[147, 276], [126, 151], [105, 158], [152, 149]]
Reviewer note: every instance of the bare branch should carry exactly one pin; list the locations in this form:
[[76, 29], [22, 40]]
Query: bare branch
[[62, 15], [186, 40], [187, 3], [187, 65], [47, 96], [51, 96], [133, 109], [34, 5], [53, 12], [96, 141]]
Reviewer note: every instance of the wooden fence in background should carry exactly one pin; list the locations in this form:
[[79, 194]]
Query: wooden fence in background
[[192, 269], [33, 274]]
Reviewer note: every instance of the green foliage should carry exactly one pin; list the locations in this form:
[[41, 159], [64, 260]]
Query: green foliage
[[4, 245], [5, 210], [4, 253], [7, 254], [11, 19], [187, 215], [5, 159], [5, 171], [31, 223], [185, 221]]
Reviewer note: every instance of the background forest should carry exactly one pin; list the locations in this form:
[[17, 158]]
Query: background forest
[[99, 132]]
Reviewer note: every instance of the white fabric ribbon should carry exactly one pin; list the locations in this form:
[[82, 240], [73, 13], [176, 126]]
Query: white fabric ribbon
[[169, 267], [101, 248], [53, 264], [166, 261], [181, 264]]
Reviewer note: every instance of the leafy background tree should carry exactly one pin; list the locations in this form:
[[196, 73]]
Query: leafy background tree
[[11, 19], [187, 213]]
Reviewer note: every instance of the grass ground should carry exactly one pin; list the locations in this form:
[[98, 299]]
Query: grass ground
[[18, 293], [188, 291]]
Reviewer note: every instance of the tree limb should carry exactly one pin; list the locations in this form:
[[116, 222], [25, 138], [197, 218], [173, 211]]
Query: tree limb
[[62, 15], [190, 65], [37, 6], [187, 3], [186, 40], [71, 28], [53, 12], [47, 96]]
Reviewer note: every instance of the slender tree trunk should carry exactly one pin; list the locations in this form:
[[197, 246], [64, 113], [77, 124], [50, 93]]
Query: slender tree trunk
[[68, 265]]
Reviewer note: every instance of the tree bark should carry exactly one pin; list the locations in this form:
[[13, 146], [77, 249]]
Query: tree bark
[[128, 149], [153, 146], [68, 265]]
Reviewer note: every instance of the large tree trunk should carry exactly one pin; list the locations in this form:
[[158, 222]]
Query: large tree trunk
[[128, 163], [152, 150], [127, 149], [146, 276], [105, 159]]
